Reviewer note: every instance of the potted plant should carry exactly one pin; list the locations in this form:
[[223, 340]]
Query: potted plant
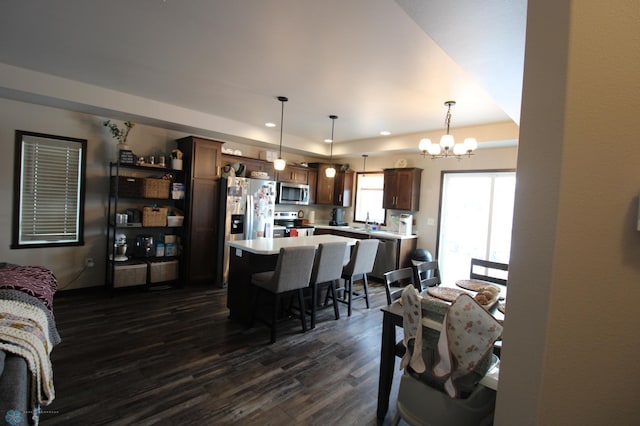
[[120, 134]]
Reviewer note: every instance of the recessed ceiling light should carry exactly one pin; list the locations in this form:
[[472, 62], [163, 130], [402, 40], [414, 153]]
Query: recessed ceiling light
[[270, 124], [328, 140], [385, 133]]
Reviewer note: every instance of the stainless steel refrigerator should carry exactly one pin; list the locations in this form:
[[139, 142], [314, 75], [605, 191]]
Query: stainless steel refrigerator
[[249, 206]]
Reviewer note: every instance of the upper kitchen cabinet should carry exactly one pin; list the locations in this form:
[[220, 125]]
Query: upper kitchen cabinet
[[293, 174], [202, 162], [402, 189], [334, 191]]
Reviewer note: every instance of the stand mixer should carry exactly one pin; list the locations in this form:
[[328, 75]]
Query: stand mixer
[[121, 248]]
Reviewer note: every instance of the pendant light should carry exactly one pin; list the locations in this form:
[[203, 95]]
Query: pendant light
[[280, 163], [331, 171]]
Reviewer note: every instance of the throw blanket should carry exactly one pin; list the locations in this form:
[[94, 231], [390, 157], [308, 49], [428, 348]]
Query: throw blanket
[[34, 280], [24, 331]]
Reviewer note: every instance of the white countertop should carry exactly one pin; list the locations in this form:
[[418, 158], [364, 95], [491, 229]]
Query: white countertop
[[266, 246], [362, 231]]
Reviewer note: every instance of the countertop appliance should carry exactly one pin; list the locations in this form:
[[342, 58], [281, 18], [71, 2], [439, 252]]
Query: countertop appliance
[[293, 193], [249, 206], [405, 224], [292, 224], [336, 217], [144, 246]]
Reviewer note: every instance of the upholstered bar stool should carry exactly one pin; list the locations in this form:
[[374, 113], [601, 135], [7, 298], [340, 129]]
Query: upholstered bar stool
[[292, 273], [327, 270], [360, 264]]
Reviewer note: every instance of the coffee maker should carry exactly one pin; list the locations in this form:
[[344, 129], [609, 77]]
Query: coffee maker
[[336, 217]]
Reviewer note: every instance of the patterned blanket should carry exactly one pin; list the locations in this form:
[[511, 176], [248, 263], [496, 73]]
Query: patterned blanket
[[24, 331], [34, 280]]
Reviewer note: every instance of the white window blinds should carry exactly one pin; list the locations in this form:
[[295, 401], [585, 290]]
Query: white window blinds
[[50, 186]]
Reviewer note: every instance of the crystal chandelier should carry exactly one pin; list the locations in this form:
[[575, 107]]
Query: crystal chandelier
[[447, 148]]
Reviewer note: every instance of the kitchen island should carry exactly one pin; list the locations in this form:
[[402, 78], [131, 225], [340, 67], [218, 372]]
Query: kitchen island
[[250, 256]]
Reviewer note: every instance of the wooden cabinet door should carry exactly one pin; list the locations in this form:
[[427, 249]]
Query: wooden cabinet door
[[390, 190], [343, 187], [324, 189], [201, 251], [402, 189], [404, 185], [206, 159]]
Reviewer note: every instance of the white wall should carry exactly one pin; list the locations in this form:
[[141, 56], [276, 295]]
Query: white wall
[[571, 347]]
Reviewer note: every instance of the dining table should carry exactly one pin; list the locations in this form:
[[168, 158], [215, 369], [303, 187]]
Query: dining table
[[392, 318]]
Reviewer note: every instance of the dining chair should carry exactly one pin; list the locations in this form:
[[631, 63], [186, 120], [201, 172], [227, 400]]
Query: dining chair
[[360, 264], [292, 274], [327, 271], [395, 281], [437, 391], [426, 274], [490, 271]]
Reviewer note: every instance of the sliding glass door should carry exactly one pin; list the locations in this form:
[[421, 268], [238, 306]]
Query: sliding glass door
[[476, 212]]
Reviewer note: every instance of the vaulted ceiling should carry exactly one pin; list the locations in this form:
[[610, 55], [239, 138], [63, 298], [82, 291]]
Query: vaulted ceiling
[[216, 67]]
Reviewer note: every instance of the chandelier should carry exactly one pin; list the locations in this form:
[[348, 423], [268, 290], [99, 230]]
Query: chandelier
[[447, 148], [280, 163]]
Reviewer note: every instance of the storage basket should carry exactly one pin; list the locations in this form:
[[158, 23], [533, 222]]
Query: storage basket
[[175, 220], [137, 187], [129, 186], [156, 188], [154, 216]]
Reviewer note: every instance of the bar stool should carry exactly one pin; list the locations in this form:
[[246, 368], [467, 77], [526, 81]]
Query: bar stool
[[292, 273], [327, 270], [360, 264]]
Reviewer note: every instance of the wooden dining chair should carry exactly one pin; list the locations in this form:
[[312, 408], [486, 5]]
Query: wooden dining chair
[[486, 270], [292, 274], [426, 274], [395, 281]]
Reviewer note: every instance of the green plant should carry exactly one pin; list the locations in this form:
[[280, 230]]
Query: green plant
[[118, 133]]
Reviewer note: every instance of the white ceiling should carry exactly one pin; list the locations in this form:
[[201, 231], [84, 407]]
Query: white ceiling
[[377, 64]]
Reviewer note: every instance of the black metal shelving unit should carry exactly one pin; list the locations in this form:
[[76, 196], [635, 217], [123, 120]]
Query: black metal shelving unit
[[130, 272]]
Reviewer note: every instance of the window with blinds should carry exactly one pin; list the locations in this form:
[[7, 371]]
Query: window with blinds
[[49, 198]]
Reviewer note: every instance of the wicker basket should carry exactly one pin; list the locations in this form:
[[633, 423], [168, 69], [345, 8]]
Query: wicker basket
[[137, 187], [154, 216], [156, 188]]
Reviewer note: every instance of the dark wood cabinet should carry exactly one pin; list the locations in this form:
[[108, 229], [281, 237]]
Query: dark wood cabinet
[[335, 191], [202, 163], [402, 189], [293, 174]]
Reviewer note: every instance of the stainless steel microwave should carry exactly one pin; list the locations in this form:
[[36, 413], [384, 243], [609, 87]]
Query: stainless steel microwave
[[293, 193]]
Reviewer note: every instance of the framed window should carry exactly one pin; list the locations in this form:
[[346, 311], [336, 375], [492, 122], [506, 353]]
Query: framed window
[[476, 213], [48, 196], [369, 190]]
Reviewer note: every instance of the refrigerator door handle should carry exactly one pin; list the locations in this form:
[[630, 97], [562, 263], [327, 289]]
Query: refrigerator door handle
[[248, 218]]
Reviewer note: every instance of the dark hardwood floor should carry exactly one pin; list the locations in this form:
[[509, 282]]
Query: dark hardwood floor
[[172, 357]]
